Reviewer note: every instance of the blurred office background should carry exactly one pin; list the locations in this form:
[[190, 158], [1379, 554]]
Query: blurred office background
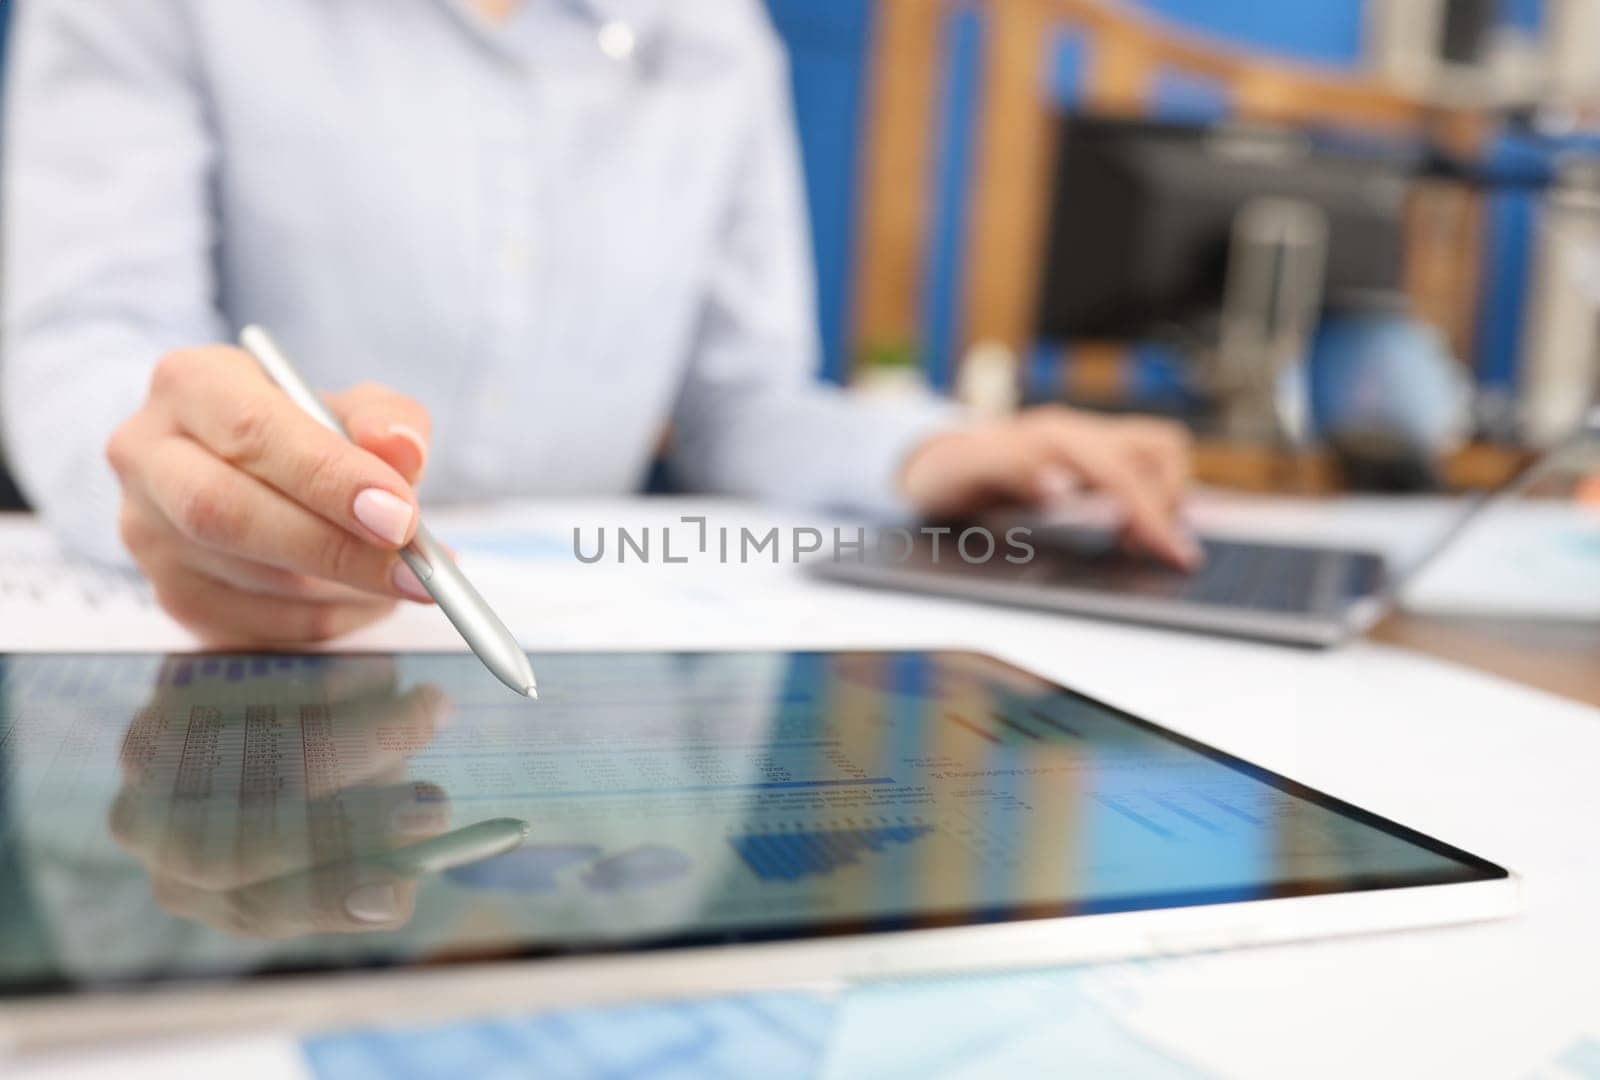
[[1168, 205], [1353, 239]]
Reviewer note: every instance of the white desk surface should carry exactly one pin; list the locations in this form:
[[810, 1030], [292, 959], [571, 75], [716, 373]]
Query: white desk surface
[[1503, 771]]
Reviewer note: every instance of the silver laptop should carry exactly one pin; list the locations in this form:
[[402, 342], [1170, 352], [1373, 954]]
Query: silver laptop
[[1295, 594]]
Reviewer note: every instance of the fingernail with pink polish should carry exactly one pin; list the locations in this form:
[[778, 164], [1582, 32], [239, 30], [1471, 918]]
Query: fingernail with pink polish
[[387, 515], [413, 436]]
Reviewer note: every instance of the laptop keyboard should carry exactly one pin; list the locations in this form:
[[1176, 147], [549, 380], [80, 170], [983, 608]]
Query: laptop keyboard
[[1265, 578], [1237, 575]]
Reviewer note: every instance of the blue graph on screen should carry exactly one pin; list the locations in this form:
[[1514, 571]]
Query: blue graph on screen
[[789, 856]]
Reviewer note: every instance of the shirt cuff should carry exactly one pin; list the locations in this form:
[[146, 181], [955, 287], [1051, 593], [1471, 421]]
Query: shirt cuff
[[896, 428]]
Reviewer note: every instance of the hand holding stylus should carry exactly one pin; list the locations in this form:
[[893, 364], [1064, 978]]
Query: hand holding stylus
[[265, 515], [255, 524], [424, 556]]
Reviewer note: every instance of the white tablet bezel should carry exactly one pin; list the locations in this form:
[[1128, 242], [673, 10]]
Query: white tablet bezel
[[419, 995]]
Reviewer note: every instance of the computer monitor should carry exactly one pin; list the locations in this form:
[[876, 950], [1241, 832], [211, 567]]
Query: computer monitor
[[1142, 213]]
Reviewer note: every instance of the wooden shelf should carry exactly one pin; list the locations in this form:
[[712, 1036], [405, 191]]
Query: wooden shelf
[[1252, 467]]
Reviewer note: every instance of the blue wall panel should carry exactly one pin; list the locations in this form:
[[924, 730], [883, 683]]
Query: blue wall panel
[[1326, 31], [829, 49], [1046, 365], [1189, 98], [1507, 257], [955, 150], [1523, 14], [1510, 239], [1067, 69]]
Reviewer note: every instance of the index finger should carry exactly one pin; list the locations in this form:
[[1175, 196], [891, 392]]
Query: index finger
[[233, 409], [1150, 521], [1163, 448]]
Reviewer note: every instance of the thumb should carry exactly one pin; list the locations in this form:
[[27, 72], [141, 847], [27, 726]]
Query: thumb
[[387, 423]]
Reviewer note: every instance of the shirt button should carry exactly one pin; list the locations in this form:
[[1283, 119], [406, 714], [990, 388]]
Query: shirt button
[[616, 39]]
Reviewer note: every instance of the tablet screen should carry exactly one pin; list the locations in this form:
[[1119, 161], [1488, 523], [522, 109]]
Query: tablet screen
[[219, 816]]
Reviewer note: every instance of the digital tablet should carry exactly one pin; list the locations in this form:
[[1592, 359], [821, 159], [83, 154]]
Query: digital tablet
[[190, 841]]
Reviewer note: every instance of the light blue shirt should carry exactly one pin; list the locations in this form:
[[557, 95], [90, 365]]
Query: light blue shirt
[[561, 236]]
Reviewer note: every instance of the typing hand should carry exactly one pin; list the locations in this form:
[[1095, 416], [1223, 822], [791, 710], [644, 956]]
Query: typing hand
[[1041, 456], [290, 858], [255, 524]]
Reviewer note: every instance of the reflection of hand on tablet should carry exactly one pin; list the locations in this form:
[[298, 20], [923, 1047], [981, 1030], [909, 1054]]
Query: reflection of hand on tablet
[[306, 858], [267, 885]]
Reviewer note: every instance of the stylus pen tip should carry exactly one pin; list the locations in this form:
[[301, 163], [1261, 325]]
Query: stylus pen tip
[[532, 691]]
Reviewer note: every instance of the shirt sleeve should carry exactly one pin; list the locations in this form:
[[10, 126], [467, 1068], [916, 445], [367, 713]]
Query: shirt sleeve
[[752, 417], [108, 245]]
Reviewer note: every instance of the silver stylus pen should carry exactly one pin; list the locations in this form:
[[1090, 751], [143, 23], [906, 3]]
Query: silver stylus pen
[[437, 571]]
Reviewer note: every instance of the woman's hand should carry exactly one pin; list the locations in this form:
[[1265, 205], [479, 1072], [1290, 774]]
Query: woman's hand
[[1042, 455], [255, 524]]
